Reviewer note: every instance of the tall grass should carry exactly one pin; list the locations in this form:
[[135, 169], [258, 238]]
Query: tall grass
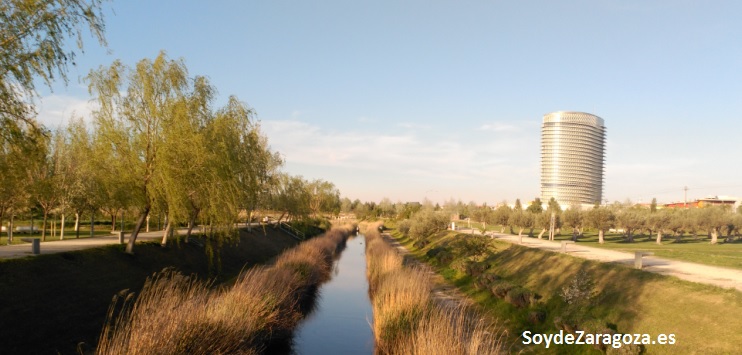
[[408, 320], [176, 314]]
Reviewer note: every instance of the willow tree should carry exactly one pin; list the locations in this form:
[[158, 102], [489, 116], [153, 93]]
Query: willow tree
[[182, 183], [132, 120], [18, 151], [290, 196], [242, 164], [33, 39]]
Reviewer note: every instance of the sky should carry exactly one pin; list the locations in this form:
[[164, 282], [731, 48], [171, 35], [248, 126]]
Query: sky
[[414, 99]]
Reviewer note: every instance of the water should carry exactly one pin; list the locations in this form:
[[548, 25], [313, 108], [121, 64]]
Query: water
[[340, 323]]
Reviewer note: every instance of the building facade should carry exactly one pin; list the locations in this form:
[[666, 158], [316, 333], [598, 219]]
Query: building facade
[[572, 158]]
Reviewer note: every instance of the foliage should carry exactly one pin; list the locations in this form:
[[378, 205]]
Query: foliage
[[427, 222], [32, 40]]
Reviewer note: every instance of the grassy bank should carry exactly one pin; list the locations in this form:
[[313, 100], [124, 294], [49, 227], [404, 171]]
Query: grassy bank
[[50, 303], [545, 292], [174, 314], [407, 319]]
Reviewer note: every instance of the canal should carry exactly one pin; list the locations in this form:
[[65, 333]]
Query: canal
[[341, 320]]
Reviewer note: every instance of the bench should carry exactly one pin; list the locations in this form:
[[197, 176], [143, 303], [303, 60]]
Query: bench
[[638, 258], [35, 245], [564, 245]]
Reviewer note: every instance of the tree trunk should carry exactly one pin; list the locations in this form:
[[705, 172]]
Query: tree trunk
[[92, 223], [542, 233], [137, 227], [77, 224], [10, 228], [43, 226], [61, 228], [520, 232], [168, 228], [530, 233], [601, 233], [714, 235], [113, 221], [659, 236], [630, 235]]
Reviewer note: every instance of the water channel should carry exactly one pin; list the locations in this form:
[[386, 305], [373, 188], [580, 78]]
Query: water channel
[[340, 322]]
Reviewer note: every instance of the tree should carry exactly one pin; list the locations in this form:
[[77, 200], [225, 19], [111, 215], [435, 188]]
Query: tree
[[573, 218], [653, 205], [324, 196], [659, 221], [535, 206], [386, 207], [543, 221], [602, 219], [45, 177], [630, 219], [713, 219], [32, 40], [133, 120], [501, 215]]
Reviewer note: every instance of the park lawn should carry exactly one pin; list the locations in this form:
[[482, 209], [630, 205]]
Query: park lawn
[[68, 234], [690, 248], [704, 319]]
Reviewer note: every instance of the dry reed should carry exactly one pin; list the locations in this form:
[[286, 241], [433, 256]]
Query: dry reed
[[407, 320], [176, 314]]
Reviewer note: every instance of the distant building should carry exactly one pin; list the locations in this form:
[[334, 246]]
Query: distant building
[[703, 202], [572, 156]]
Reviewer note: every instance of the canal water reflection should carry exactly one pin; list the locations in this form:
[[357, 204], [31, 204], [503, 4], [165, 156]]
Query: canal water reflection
[[340, 323]]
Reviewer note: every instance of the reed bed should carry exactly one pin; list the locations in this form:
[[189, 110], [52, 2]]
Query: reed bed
[[408, 320], [176, 314]]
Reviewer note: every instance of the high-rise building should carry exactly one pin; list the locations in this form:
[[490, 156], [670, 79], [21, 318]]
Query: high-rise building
[[572, 156]]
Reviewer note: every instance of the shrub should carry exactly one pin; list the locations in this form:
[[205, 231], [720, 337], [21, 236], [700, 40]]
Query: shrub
[[476, 268], [427, 222], [501, 288], [580, 290], [519, 297], [404, 227]]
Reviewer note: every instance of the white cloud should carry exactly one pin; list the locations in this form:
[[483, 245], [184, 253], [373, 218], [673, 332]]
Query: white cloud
[[499, 127], [409, 158], [56, 110]]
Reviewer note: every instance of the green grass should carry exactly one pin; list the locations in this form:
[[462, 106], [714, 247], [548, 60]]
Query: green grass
[[630, 301]]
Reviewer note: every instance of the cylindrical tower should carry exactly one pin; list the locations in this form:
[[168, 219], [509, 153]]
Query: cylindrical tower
[[572, 158]]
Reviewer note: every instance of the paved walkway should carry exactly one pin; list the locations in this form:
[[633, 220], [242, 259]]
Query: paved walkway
[[71, 243], [711, 275]]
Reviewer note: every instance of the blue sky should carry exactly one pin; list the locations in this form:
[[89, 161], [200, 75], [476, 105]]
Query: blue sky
[[444, 99]]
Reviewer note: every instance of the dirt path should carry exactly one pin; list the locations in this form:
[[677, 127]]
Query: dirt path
[[711, 275]]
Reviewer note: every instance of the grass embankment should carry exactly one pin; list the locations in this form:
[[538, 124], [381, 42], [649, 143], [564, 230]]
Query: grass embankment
[[50, 303], [545, 292], [182, 315], [695, 249], [407, 320]]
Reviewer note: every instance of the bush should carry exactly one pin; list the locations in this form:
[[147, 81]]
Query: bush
[[484, 281], [404, 227], [501, 288], [476, 268], [519, 297], [427, 222], [580, 290]]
